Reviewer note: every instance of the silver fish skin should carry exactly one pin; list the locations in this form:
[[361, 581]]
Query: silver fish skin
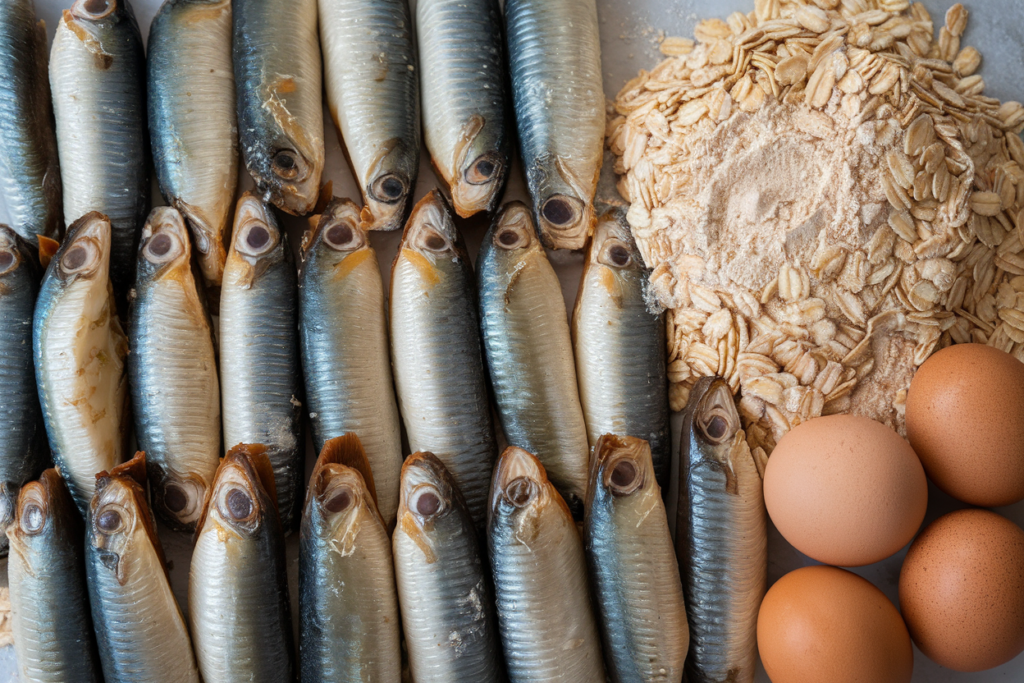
[[192, 123], [237, 586], [79, 351], [260, 373], [276, 54], [619, 344], [372, 93], [554, 53], [140, 631], [172, 370], [50, 619], [23, 450], [465, 101], [529, 351], [721, 537], [349, 627], [97, 75], [547, 623], [343, 333], [633, 565], [448, 616], [437, 354], [29, 168]]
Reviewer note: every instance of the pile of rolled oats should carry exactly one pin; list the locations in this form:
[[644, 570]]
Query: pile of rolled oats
[[826, 197]]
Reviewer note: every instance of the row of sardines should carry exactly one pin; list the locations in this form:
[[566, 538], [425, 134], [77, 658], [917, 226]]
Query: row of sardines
[[387, 549]]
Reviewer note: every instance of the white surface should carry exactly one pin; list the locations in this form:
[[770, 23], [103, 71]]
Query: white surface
[[629, 33]]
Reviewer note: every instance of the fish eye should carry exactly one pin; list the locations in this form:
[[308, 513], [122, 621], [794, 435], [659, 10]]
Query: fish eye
[[7, 260], [175, 498], [388, 188], [78, 258], [511, 238], [285, 164], [426, 501], [482, 171], [238, 504], [559, 210], [109, 521], [616, 254], [717, 427], [431, 240], [256, 239], [339, 500], [32, 518], [623, 477], [343, 237], [96, 8], [162, 248], [519, 492]]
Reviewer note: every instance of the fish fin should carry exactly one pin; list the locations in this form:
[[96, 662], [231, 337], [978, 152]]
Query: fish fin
[[348, 450], [325, 197], [134, 469], [760, 460], [47, 248]]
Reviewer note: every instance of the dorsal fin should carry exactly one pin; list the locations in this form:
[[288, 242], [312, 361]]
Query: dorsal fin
[[133, 469], [47, 248]]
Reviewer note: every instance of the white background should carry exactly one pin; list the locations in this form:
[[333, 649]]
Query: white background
[[629, 34]]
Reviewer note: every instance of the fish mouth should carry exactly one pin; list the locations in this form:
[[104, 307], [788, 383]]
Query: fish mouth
[[513, 227], [564, 221], [519, 478], [716, 418]]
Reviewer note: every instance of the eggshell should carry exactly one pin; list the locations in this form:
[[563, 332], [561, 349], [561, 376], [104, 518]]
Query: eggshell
[[845, 490], [825, 624], [965, 419], [962, 590]]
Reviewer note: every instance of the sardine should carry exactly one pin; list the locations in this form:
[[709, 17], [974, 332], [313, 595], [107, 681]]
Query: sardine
[[280, 111], [447, 609], [192, 125], [79, 352], [349, 628], [140, 631], [633, 565], [721, 537], [237, 587], [529, 351], [554, 53], [29, 171], [619, 343], [437, 354], [23, 451], [465, 103], [173, 372], [540, 578], [343, 333], [98, 80], [372, 93], [50, 620], [260, 372]]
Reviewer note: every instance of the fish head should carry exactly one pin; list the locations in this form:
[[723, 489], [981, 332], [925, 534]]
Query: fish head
[[520, 491], [15, 257], [564, 216], [481, 170], [427, 493], [257, 242], [35, 510], [613, 246], [242, 500], [388, 187], [85, 253], [92, 21], [179, 497], [288, 170], [164, 247], [341, 489], [710, 421], [431, 239], [334, 237], [621, 468], [94, 10], [511, 238], [119, 520]]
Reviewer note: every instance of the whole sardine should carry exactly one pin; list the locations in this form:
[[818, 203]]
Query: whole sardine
[[79, 352], [540, 578], [633, 565], [280, 111], [447, 610], [619, 344], [29, 172], [370, 73], [260, 372], [436, 351], [465, 103], [349, 628], [237, 588], [529, 351], [173, 372], [192, 124], [98, 80], [141, 634], [23, 451], [343, 332], [554, 54], [50, 620], [721, 537]]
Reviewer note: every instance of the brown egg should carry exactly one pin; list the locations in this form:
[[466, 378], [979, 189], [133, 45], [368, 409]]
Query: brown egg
[[962, 590], [845, 490], [825, 624], [965, 419]]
